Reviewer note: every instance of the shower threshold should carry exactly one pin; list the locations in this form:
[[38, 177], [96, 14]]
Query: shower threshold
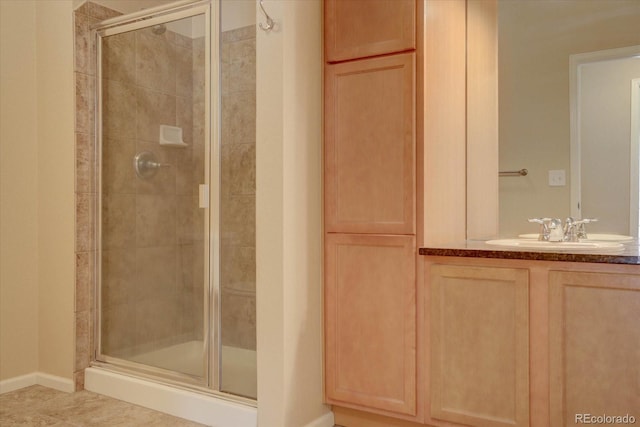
[[209, 409]]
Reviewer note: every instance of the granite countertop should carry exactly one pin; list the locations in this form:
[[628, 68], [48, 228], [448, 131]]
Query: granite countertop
[[628, 254]]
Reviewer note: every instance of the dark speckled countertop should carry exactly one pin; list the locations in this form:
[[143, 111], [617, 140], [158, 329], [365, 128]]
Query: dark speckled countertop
[[629, 254]]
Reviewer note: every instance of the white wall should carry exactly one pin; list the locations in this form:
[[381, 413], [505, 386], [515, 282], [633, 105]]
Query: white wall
[[37, 189], [289, 220], [18, 190]]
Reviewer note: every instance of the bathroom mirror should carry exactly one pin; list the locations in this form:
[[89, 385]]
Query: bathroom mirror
[[537, 41]]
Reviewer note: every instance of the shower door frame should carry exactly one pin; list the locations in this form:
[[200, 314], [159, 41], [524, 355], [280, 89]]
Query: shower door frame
[[210, 382]]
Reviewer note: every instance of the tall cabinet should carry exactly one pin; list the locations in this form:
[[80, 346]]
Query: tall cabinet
[[370, 204]]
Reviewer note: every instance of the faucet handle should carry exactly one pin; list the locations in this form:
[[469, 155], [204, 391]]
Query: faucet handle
[[581, 231], [586, 220], [547, 228]]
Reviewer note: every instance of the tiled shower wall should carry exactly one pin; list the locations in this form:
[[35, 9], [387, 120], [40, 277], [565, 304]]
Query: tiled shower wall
[[238, 187], [85, 187]]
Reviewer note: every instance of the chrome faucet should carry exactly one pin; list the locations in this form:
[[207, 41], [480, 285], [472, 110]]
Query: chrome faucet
[[552, 230], [574, 230]]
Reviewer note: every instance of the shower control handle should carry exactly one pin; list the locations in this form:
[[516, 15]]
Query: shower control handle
[[145, 164]]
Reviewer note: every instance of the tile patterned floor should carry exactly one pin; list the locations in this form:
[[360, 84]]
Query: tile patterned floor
[[41, 406]]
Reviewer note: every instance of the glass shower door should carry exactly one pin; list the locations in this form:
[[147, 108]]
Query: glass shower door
[[153, 259]]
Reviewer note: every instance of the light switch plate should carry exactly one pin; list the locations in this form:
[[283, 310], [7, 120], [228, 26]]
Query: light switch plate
[[557, 178]]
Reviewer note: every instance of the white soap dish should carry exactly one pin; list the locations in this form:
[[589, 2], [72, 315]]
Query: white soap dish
[[171, 136]]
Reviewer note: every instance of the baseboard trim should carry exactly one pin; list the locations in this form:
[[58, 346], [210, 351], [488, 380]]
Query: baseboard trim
[[325, 420], [39, 378]]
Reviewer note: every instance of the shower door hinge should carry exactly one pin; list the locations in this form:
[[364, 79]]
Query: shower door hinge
[[203, 196]]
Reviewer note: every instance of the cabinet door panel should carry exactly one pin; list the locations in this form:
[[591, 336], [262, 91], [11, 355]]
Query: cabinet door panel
[[370, 321], [594, 345], [370, 146], [479, 345], [361, 28]]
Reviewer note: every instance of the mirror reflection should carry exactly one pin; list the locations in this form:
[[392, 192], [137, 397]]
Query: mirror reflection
[[589, 170]]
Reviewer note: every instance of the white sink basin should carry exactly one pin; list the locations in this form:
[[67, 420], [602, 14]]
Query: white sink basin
[[525, 243], [596, 237]]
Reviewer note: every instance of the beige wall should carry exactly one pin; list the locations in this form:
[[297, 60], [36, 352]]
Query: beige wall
[[18, 190], [37, 184], [56, 206], [535, 41], [289, 231]]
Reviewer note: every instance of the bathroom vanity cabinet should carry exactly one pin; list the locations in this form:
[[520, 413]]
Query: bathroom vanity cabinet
[[515, 342]]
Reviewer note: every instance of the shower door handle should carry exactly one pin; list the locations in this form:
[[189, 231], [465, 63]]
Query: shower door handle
[[203, 196]]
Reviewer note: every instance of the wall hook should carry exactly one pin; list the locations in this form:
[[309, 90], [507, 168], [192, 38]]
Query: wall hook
[[270, 22]]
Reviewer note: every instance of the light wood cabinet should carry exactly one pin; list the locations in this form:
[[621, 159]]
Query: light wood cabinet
[[370, 322], [521, 343], [594, 345], [370, 206], [362, 28], [479, 320], [370, 146]]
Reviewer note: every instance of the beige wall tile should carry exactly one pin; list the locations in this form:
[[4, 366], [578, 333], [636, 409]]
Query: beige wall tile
[[85, 97], [85, 222], [155, 62], [83, 339], [155, 223], [240, 73], [239, 169], [118, 175], [238, 221], [238, 268], [239, 117], [158, 321], [118, 58], [118, 329], [183, 41], [154, 109], [85, 163], [238, 319], [82, 47], [118, 277], [184, 265], [184, 117], [118, 221], [184, 72], [85, 270], [119, 110], [185, 184], [185, 218], [156, 272]]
